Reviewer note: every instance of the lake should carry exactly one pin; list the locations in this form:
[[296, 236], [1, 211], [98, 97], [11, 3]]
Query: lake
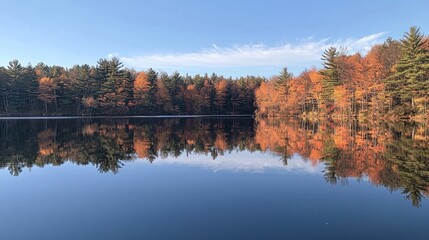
[[212, 178]]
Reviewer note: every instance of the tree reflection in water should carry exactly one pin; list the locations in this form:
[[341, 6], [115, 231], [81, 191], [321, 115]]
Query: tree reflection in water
[[395, 156]]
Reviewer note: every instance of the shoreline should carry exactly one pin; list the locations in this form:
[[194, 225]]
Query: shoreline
[[120, 117]]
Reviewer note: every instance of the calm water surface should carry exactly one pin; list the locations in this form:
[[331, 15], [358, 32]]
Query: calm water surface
[[212, 178]]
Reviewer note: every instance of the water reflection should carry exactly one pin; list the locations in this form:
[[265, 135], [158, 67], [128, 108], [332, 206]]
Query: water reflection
[[395, 156]]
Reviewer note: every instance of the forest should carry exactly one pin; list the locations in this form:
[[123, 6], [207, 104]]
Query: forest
[[110, 89], [391, 82]]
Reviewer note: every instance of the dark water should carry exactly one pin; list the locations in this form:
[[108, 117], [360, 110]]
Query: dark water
[[212, 178]]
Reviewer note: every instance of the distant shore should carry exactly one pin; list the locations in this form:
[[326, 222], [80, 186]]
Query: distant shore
[[118, 117]]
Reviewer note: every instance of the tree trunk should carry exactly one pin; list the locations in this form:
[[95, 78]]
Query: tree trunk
[[55, 99]]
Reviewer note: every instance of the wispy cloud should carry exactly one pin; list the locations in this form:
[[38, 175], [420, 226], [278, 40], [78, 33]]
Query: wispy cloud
[[243, 162], [300, 55]]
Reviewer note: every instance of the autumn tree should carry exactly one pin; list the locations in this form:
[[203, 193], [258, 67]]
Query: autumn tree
[[299, 92], [47, 88], [378, 65], [316, 89], [266, 99], [144, 91], [353, 87], [221, 95]]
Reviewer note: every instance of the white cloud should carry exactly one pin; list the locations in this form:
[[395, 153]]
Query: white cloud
[[301, 55], [242, 162], [112, 55]]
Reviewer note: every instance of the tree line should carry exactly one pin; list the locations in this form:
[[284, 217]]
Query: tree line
[[110, 89], [390, 81]]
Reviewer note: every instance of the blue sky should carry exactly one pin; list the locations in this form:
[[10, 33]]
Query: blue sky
[[226, 37]]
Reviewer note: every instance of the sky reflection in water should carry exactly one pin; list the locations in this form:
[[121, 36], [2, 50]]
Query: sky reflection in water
[[211, 178]]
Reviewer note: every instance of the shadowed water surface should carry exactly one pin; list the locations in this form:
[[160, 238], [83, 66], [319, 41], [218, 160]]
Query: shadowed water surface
[[212, 178]]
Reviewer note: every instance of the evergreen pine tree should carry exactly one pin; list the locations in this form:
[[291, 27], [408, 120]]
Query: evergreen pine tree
[[282, 85], [115, 85], [331, 76], [409, 84], [150, 102]]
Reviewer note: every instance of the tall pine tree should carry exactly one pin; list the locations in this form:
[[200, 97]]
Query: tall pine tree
[[409, 84], [282, 83], [331, 76], [115, 85]]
